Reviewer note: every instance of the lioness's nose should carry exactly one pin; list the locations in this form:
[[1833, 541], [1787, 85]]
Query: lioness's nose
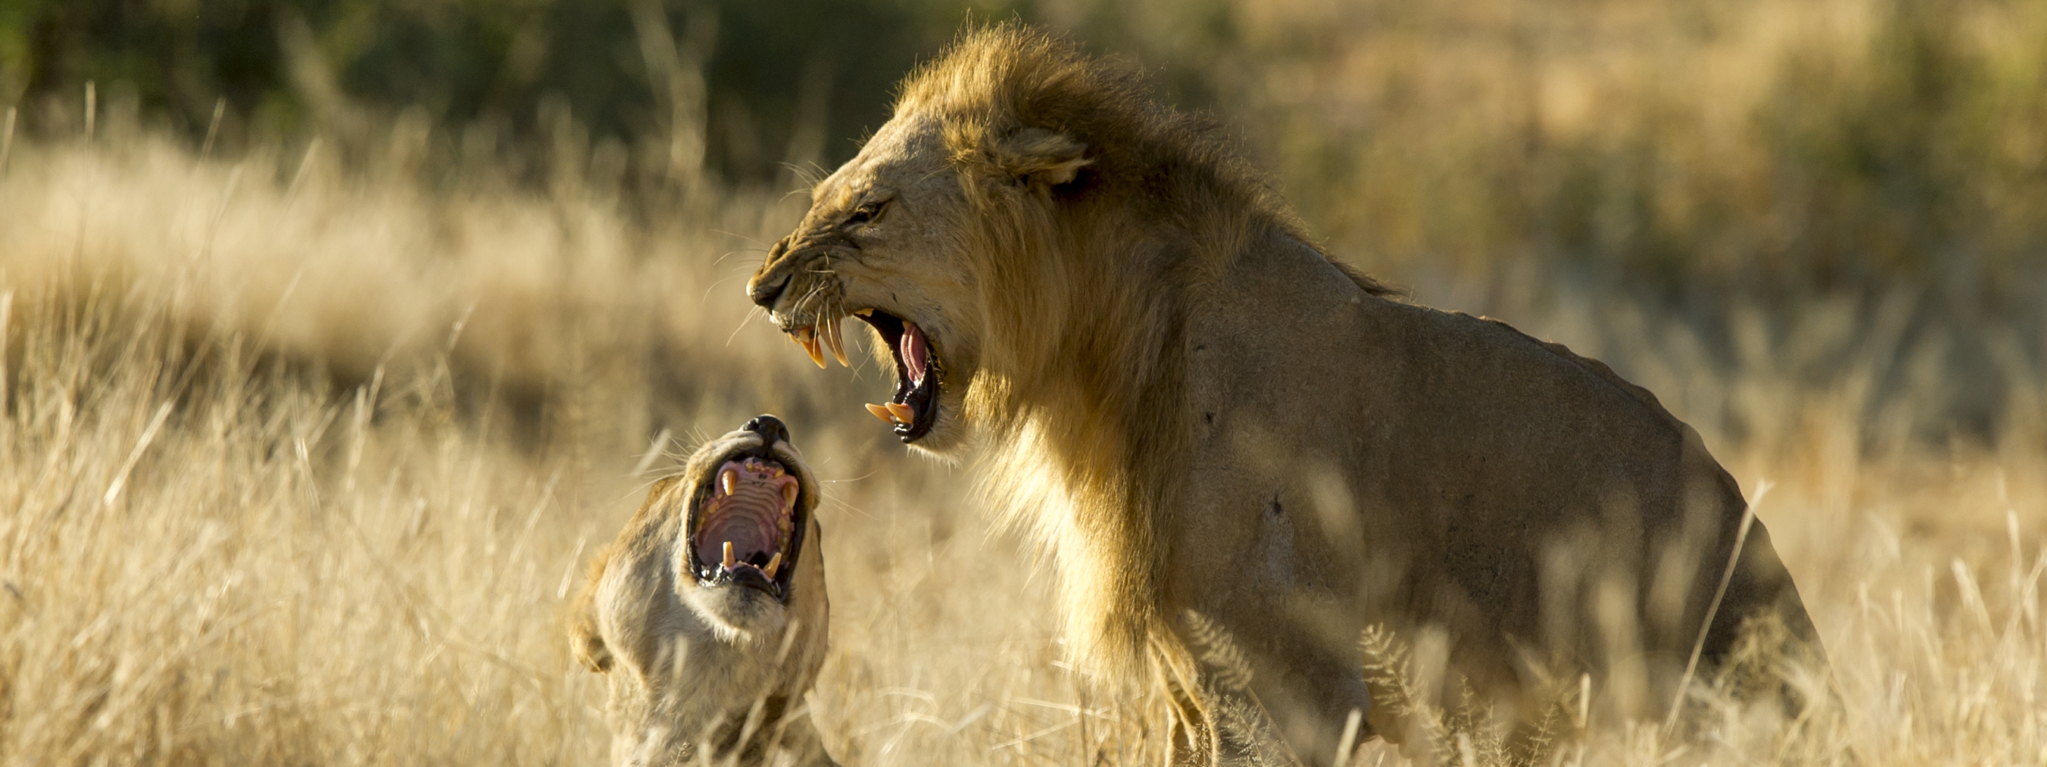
[[769, 427]]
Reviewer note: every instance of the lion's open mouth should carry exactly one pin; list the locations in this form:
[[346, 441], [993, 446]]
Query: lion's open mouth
[[914, 407], [746, 525]]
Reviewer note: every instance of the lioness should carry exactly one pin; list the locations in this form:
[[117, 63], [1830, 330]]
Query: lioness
[[1194, 410], [708, 614]]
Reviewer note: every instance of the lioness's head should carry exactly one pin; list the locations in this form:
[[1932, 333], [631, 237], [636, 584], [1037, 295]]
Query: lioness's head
[[708, 614], [966, 233], [747, 499]]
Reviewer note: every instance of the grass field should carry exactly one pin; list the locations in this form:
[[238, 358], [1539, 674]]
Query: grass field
[[300, 460]]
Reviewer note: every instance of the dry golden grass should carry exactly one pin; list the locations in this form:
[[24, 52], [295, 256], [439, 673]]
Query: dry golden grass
[[297, 466]]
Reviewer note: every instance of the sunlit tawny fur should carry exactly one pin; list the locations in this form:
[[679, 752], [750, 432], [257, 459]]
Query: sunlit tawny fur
[[1192, 408], [706, 669]]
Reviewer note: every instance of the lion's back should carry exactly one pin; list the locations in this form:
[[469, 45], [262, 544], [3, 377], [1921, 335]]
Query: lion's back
[[1526, 478]]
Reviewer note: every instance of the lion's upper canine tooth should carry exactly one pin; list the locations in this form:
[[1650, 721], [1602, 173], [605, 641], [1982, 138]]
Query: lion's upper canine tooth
[[774, 563], [788, 498], [880, 412], [729, 560], [728, 480], [811, 346], [902, 413], [834, 339]]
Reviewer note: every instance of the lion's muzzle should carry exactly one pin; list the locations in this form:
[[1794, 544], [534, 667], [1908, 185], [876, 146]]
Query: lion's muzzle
[[772, 278]]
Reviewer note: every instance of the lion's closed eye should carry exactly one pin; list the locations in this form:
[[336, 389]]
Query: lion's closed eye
[[867, 213]]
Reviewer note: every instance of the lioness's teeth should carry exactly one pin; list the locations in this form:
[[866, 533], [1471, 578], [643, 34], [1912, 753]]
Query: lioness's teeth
[[902, 412], [774, 563], [864, 312], [729, 480], [788, 498], [880, 412], [729, 560], [834, 339]]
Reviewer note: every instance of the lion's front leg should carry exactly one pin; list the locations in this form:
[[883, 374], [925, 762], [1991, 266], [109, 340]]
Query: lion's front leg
[[1190, 736], [1212, 717]]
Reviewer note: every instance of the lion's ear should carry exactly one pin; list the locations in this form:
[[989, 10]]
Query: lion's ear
[[1040, 158]]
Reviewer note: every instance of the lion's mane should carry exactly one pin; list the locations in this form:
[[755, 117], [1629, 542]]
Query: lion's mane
[[1085, 303]]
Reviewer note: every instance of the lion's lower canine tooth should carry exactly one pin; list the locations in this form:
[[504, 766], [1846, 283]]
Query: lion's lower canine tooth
[[728, 480], [902, 412], [879, 412], [729, 560], [773, 565]]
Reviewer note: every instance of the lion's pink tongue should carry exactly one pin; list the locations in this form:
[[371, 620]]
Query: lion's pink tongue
[[913, 352]]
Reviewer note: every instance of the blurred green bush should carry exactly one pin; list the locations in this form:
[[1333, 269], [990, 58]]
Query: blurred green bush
[[756, 75]]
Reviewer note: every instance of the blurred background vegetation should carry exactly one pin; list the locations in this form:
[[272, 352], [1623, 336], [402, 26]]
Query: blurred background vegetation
[[1775, 145], [335, 335], [1696, 156]]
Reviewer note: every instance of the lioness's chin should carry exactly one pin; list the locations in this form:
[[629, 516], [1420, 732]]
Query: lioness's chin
[[737, 613]]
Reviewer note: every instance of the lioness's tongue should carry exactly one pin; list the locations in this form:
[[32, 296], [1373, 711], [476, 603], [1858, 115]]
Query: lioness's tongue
[[747, 512], [912, 350]]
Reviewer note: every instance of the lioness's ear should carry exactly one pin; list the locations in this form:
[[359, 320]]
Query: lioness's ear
[[589, 648], [1040, 158]]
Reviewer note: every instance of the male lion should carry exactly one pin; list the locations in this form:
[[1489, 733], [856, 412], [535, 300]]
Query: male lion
[[708, 614], [1195, 411]]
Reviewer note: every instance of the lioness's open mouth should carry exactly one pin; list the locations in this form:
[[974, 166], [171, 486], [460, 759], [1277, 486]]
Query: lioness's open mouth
[[747, 523], [913, 409]]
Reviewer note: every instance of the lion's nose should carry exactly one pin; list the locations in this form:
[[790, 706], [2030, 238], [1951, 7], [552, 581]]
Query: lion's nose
[[768, 283], [770, 428], [765, 287]]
